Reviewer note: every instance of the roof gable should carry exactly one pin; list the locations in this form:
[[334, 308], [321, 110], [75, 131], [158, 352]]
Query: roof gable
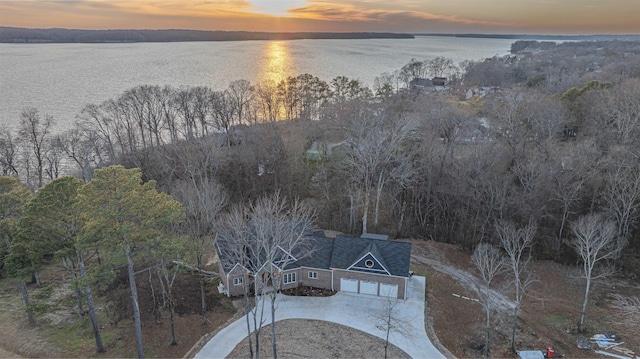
[[369, 263], [393, 256]]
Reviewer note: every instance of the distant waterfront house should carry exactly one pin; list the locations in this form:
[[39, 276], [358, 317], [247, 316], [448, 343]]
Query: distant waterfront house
[[319, 150], [419, 84], [372, 265], [435, 84], [439, 81]]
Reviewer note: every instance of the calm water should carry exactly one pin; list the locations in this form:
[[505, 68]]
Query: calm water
[[59, 79]]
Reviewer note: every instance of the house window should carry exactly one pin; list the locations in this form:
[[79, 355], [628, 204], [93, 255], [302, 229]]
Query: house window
[[289, 278], [313, 275], [368, 263], [238, 281]]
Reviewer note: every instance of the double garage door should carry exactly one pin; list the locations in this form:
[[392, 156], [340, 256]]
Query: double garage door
[[368, 287]]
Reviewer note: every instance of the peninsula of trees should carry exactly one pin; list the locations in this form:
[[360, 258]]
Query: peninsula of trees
[[24, 35]]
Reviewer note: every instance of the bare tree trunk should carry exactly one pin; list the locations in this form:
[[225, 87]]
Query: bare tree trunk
[[156, 313], [36, 278], [365, 211], [92, 308], [488, 324], [247, 310], [69, 266], [513, 328], [164, 290], [171, 314], [171, 303], [134, 299], [273, 323], [203, 302], [378, 195], [351, 213], [584, 305], [386, 339], [25, 298], [79, 299], [403, 208]]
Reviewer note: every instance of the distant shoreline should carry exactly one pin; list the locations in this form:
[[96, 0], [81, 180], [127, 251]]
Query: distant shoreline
[[626, 37], [25, 35]]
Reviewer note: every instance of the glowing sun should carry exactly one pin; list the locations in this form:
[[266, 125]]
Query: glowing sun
[[275, 7]]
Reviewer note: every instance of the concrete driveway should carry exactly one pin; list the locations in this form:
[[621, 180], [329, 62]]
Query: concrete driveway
[[357, 311]]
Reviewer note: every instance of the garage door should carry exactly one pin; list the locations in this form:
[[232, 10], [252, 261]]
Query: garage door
[[368, 287], [389, 290], [349, 285]]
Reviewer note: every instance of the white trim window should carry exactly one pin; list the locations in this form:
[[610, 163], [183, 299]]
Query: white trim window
[[312, 274], [238, 281], [289, 278]]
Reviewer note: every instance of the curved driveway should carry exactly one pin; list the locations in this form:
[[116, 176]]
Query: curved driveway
[[357, 311]]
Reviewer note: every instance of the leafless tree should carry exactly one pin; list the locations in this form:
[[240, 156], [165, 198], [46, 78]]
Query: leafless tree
[[8, 154], [241, 93], [54, 158], [289, 97], [389, 321], [597, 242], [441, 66], [411, 71], [622, 197], [566, 190], [490, 263], [223, 109], [621, 112], [203, 199], [375, 156], [517, 243], [265, 238], [267, 101], [34, 132], [97, 121], [83, 148]]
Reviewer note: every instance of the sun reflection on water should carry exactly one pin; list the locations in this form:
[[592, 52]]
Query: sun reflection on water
[[277, 61]]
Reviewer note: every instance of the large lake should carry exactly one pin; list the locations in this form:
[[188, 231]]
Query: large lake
[[59, 79]]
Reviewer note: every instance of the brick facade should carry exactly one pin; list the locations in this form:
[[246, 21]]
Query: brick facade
[[323, 281]]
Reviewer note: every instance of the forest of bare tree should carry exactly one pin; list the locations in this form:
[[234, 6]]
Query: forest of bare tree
[[546, 134]]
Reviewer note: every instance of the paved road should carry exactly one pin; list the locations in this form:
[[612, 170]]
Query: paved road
[[353, 310]]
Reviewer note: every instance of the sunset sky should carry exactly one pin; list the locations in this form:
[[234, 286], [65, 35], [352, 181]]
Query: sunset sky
[[411, 16]]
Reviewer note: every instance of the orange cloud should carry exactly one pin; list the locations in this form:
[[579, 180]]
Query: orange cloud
[[341, 12], [533, 16]]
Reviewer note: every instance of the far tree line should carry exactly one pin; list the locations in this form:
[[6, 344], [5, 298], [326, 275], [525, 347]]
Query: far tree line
[[545, 137]]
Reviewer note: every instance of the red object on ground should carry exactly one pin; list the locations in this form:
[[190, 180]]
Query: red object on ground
[[550, 352]]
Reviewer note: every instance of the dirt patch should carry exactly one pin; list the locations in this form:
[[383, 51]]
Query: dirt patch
[[302, 338], [548, 316], [18, 338], [156, 328]]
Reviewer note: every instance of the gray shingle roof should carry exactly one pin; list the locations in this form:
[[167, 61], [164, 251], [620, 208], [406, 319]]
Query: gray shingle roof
[[316, 255], [340, 253]]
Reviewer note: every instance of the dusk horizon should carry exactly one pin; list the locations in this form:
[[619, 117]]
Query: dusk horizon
[[534, 17], [416, 33]]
